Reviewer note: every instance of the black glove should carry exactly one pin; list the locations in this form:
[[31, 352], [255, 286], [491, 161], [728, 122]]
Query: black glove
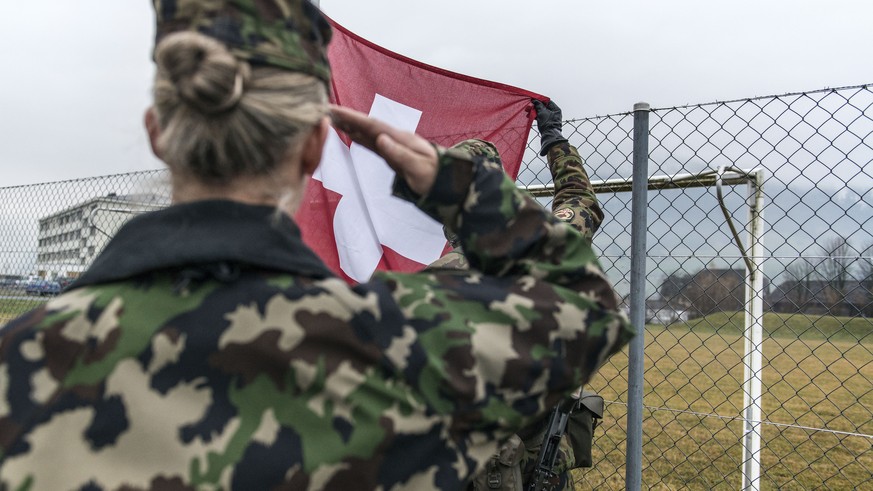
[[549, 124]]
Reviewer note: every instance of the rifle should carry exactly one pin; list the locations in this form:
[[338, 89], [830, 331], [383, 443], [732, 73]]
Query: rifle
[[543, 472]]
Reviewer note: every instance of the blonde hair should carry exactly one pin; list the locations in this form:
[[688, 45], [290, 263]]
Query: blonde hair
[[220, 118]]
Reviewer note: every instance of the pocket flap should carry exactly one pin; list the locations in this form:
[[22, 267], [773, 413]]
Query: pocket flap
[[511, 452]]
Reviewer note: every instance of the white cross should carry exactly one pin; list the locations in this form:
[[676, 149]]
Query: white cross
[[368, 216]]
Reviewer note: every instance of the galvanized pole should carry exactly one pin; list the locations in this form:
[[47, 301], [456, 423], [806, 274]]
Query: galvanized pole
[[754, 339], [634, 458]]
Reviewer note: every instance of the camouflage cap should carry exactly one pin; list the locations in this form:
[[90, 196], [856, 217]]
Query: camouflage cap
[[289, 34]]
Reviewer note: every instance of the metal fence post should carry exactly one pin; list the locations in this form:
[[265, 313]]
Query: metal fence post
[[754, 340], [634, 458]]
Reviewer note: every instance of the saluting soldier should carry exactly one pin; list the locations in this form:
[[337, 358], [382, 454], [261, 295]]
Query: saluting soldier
[[208, 348], [575, 203]]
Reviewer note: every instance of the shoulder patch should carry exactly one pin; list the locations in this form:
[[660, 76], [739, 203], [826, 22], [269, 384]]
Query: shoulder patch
[[565, 214]]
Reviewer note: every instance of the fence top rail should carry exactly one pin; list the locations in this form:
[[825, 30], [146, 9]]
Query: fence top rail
[[730, 101], [85, 179], [676, 181], [762, 97]]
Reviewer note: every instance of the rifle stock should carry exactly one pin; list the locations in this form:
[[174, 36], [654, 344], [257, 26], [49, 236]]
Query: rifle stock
[[543, 472]]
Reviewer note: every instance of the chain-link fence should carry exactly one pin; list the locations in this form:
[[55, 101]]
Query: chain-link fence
[[814, 152]]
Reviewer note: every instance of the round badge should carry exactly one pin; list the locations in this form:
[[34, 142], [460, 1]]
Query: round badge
[[565, 214]]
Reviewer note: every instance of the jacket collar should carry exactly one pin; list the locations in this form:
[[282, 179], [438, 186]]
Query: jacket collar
[[205, 232]]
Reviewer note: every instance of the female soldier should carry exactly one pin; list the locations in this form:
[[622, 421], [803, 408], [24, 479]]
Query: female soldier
[[207, 347]]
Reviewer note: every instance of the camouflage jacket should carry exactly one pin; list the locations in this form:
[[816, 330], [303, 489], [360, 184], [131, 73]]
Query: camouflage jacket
[[574, 201], [208, 348]]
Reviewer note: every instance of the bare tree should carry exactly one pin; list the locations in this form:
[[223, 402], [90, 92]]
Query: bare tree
[[835, 270], [865, 273], [708, 290], [797, 285]]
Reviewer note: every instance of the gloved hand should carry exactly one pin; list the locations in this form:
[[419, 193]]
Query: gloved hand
[[548, 124]]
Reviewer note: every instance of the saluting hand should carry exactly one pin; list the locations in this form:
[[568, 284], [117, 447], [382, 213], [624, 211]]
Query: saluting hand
[[411, 156]]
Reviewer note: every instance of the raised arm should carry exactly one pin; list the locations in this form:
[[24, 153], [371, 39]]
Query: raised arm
[[497, 346], [574, 201]]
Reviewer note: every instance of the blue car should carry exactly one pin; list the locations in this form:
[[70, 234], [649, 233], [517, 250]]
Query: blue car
[[43, 287]]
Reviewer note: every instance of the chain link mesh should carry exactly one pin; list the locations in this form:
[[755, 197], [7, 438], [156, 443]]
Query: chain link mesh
[[817, 151]]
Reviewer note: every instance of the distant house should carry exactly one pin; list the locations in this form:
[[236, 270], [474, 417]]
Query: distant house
[[658, 311], [70, 239], [706, 291], [821, 297]]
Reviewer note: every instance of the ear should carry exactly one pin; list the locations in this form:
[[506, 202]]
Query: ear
[[313, 146], [154, 130]]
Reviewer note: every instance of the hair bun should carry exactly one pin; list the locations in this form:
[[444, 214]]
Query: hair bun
[[205, 74]]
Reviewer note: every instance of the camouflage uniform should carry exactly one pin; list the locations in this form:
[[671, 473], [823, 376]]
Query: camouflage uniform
[[575, 203], [208, 348]]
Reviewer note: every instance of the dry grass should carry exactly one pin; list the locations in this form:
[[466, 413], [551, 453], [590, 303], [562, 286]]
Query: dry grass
[[12, 308], [822, 379]]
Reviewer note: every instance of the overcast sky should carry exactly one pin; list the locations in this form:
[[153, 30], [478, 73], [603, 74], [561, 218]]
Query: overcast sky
[[76, 75]]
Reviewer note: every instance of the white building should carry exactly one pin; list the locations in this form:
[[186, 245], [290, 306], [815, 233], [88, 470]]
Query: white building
[[660, 311], [70, 239]]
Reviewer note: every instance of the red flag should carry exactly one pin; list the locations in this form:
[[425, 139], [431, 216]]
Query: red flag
[[348, 215]]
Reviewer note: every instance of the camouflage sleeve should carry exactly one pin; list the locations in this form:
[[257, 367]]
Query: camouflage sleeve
[[575, 201], [535, 317], [453, 259], [502, 230]]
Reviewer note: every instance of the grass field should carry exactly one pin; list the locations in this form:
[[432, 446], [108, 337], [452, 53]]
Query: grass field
[[818, 372], [12, 308]]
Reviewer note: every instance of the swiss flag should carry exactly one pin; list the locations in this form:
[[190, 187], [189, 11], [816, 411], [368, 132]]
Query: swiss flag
[[348, 215]]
